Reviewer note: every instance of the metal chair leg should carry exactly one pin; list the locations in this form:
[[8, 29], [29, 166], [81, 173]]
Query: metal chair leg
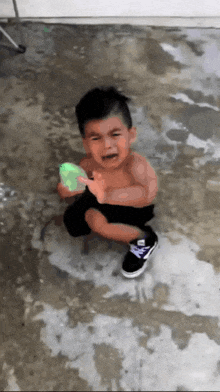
[[86, 239], [85, 248], [20, 48]]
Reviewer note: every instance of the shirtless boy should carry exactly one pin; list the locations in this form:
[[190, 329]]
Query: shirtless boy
[[121, 184]]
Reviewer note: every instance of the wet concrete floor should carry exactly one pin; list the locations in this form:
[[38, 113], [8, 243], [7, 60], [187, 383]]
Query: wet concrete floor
[[71, 321]]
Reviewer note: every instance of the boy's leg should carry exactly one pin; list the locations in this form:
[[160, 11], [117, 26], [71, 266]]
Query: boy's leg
[[142, 243], [122, 232], [112, 231]]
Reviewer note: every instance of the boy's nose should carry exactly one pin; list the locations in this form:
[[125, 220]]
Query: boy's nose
[[108, 142]]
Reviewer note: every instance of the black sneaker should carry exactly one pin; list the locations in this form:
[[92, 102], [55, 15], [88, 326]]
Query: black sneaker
[[135, 261]]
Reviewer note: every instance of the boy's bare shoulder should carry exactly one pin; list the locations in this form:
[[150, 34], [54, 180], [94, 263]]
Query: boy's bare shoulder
[[141, 168], [138, 157], [86, 164]]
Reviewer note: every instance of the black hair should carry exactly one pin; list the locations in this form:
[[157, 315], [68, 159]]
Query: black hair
[[99, 103]]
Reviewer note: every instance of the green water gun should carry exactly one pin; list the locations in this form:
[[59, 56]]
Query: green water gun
[[68, 175]]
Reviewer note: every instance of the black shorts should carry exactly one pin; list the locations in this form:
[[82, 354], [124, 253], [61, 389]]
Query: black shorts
[[74, 216]]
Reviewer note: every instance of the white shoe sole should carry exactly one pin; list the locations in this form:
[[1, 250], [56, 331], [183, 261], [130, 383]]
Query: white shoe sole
[[141, 270]]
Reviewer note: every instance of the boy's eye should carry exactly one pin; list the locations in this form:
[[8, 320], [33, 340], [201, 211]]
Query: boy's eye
[[96, 138]]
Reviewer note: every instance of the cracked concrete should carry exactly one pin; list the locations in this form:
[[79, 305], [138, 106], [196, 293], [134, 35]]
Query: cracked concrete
[[71, 321]]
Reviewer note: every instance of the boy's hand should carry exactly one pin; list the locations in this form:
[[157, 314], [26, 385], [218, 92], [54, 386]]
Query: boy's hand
[[64, 191], [96, 186]]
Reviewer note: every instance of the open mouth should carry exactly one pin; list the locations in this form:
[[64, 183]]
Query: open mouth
[[109, 157]]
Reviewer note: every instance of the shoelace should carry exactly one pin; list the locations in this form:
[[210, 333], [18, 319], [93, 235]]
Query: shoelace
[[139, 251]]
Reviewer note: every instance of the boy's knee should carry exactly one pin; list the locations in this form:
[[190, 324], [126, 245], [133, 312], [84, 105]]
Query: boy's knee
[[95, 220]]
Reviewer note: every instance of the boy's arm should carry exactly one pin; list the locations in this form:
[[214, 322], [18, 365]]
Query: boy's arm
[[66, 194], [141, 193]]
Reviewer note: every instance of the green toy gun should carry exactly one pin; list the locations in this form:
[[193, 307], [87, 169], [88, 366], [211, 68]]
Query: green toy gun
[[68, 175]]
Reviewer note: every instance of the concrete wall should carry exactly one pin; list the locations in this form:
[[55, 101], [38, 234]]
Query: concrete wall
[[146, 12], [80, 8]]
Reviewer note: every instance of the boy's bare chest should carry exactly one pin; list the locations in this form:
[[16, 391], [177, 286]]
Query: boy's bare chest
[[117, 179]]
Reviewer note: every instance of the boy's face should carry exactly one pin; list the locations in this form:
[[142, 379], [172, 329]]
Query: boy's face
[[109, 137]]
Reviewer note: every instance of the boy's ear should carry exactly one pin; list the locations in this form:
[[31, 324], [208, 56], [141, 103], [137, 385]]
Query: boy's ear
[[132, 135]]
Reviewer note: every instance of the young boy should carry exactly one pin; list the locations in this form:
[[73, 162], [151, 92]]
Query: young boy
[[121, 184]]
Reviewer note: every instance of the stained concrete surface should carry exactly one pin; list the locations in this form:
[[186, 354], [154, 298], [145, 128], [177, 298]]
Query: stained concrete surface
[[71, 321]]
